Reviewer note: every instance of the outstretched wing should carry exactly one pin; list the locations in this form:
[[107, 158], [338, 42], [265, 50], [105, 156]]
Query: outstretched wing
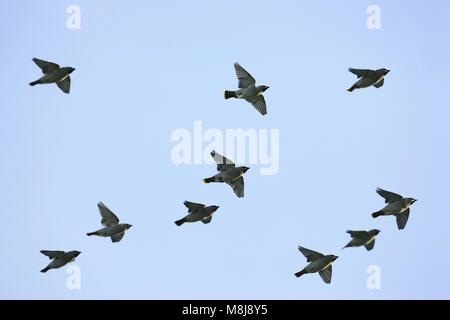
[[117, 237], [108, 217], [238, 186], [379, 83], [192, 206], [245, 79], [369, 246], [223, 164], [402, 219], [64, 85], [357, 234], [53, 254], [325, 274], [259, 103], [388, 196], [46, 66], [310, 254], [361, 72]]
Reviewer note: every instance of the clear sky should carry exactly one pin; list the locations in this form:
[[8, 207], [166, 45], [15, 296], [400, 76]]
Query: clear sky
[[147, 68]]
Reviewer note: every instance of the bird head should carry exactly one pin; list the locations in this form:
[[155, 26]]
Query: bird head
[[264, 88], [71, 69], [386, 71], [214, 208], [375, 231], [411, 200], [76, 253], [244, 169], [334, 257], [128, 226]]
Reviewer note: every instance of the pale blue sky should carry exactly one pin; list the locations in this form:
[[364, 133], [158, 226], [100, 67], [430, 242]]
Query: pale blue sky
[[145, 69]]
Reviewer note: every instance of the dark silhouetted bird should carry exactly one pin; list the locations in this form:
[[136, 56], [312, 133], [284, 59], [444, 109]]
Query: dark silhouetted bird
[[362, 238], [60, 258], [396, 206], [229, 174], [318, 263], [368, 78], [197, 212], [54, 74], [248, 90], [113, 228]]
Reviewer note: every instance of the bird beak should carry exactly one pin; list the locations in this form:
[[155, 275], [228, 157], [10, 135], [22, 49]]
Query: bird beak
[[387, 71], [413, 200]]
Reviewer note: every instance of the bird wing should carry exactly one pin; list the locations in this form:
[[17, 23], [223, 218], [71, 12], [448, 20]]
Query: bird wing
[[325, 274], [207, 220], [117, 237], [64, 85], [379, 83], [108, 217], [369, 246], [46, 66], [402, 219], [192, 206], [357, 234], [245, 78], [310, 254], [53, 254], [389, 196], [238, 186], [259, 103], [361, 72], [223, 164]]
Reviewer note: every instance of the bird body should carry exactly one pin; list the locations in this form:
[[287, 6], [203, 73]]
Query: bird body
[[197, 212], [111, 230], [53, 73], [228, 175], [60, 258]]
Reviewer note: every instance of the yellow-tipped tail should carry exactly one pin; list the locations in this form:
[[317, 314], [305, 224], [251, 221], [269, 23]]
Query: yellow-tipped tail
[[224, 96], [204, 180]]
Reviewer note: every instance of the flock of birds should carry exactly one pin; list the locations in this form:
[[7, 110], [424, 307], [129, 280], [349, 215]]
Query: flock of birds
[[396, 205]]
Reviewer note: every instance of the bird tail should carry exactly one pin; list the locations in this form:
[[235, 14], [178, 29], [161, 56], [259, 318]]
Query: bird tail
[[352, 88], [45, 269], [180, 222], [208, 180], [92, 233], [377, 214], [300, 273], [34, 83], [229, 94]]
